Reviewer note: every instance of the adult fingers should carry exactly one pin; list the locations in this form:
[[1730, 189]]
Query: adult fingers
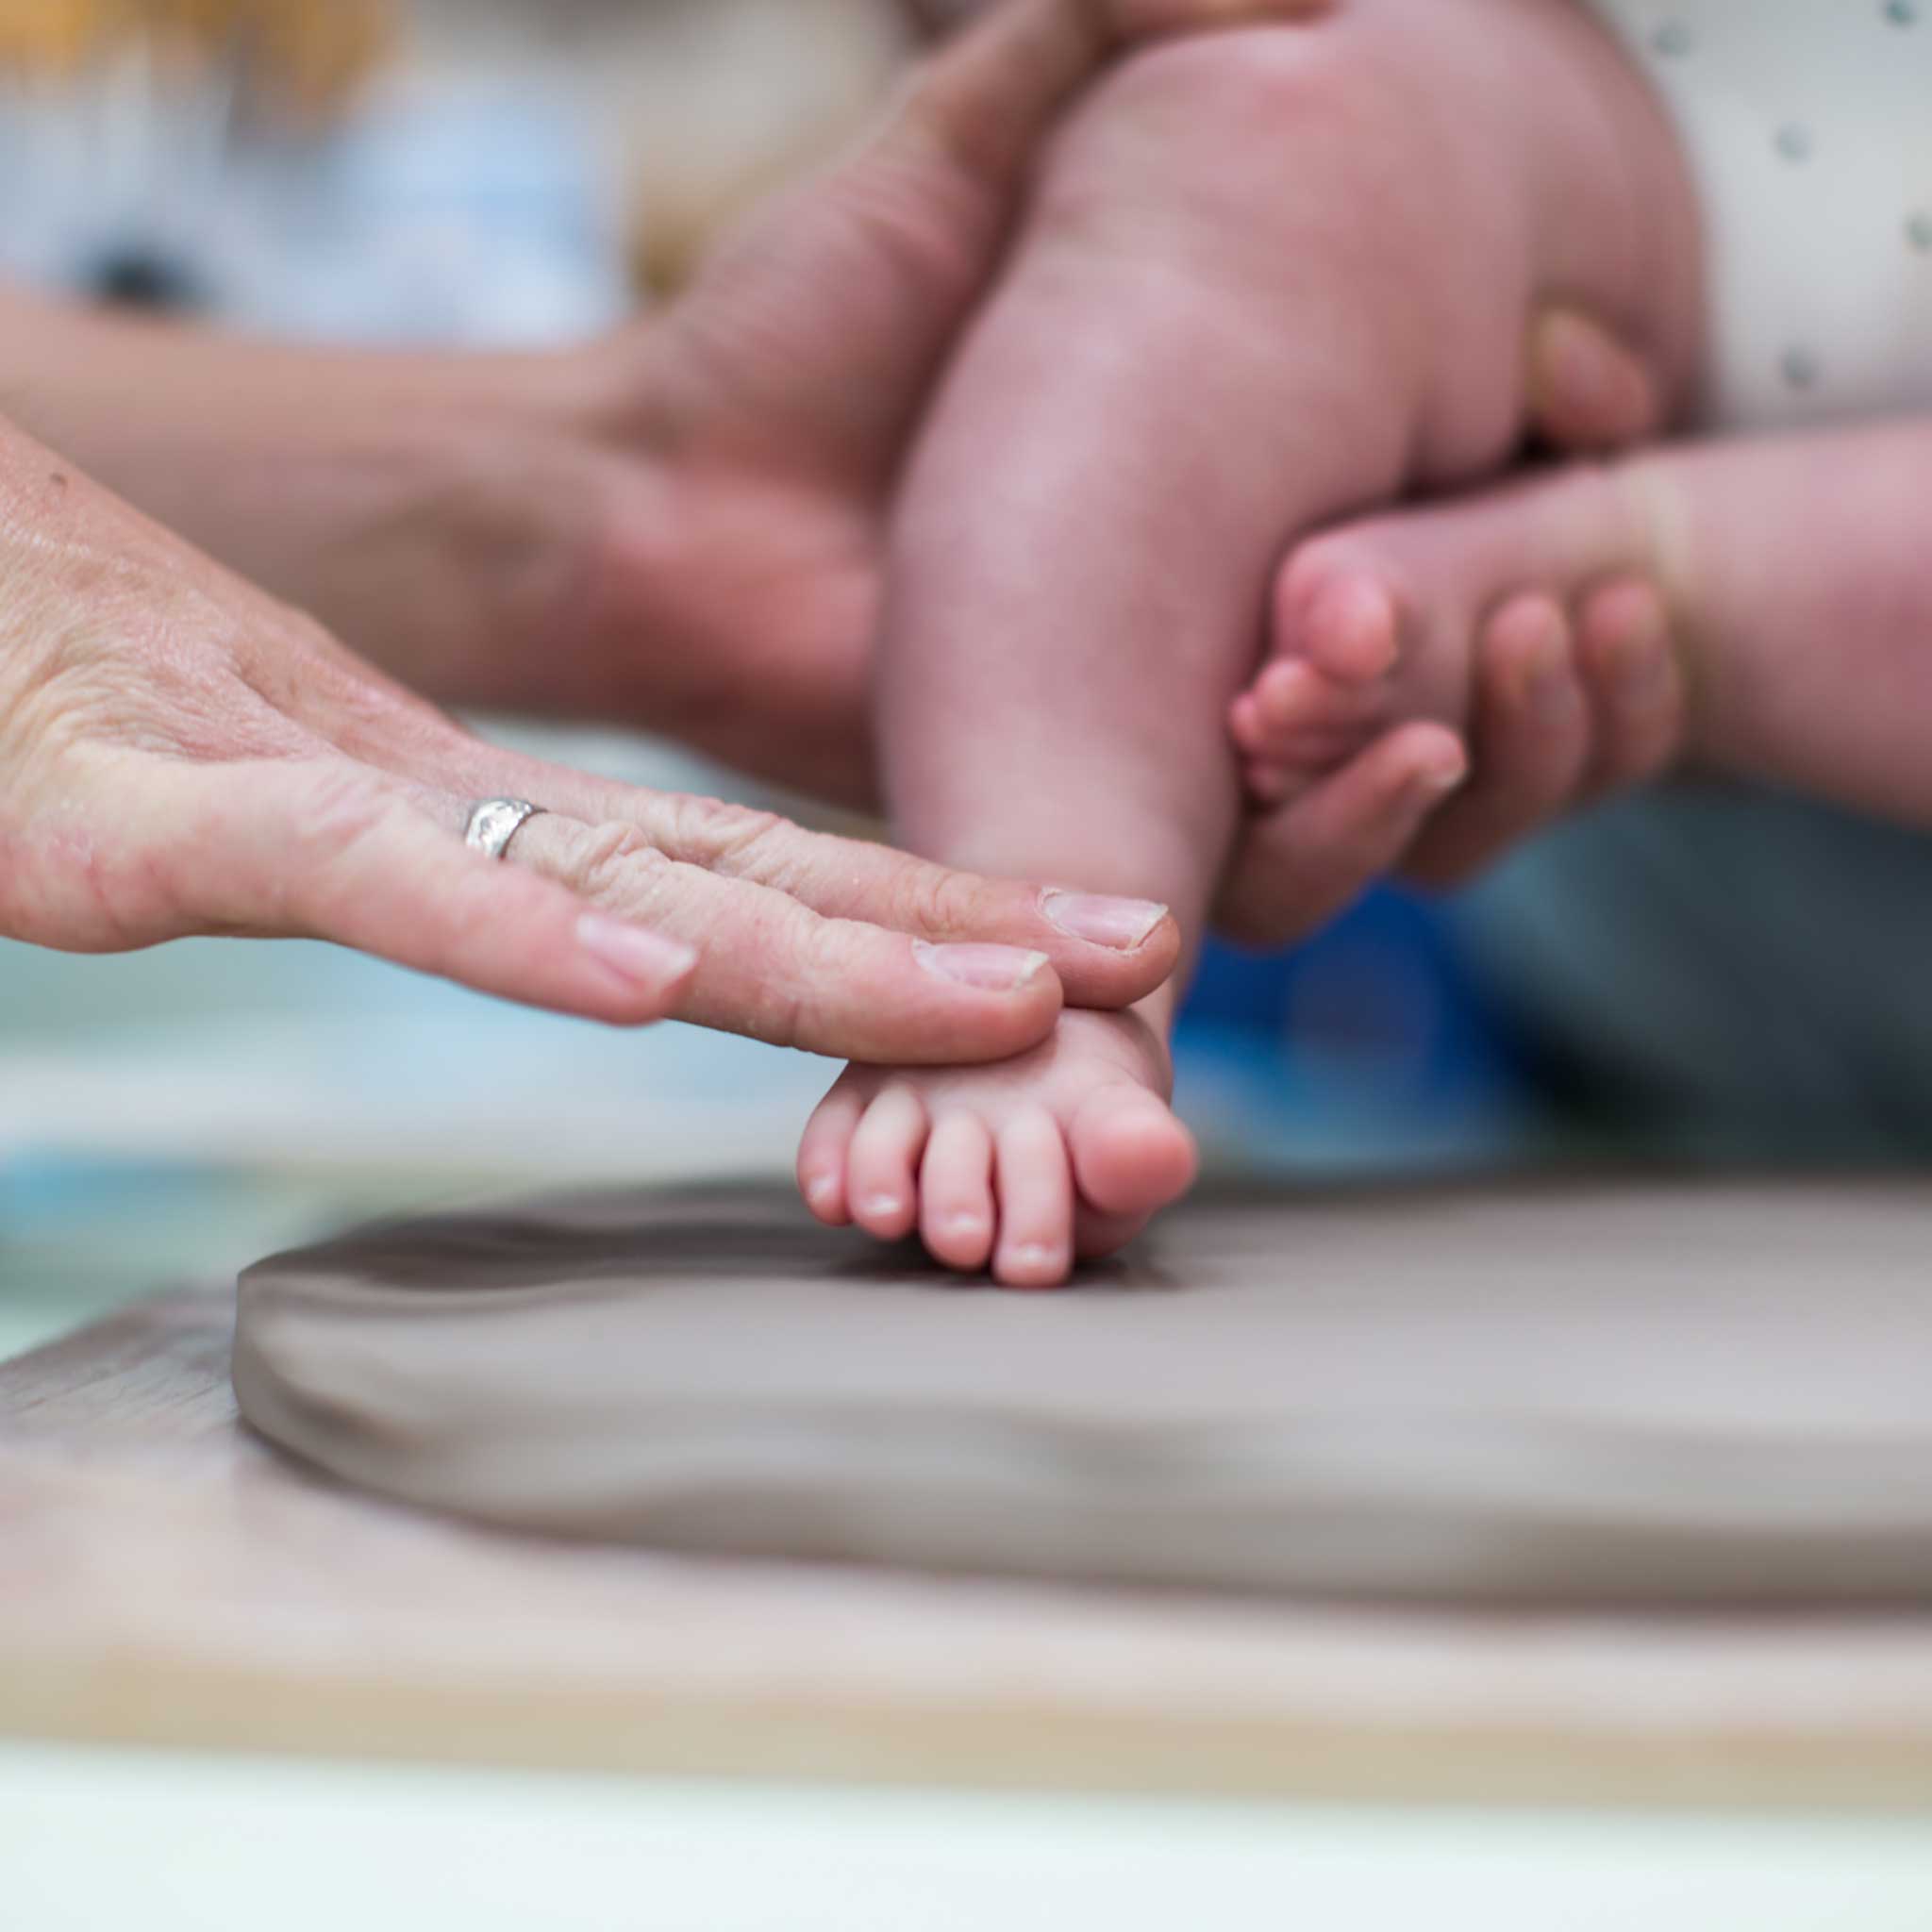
[[1104, 951], [1531, 743], [1587, 393], [1300, 865], [772, 967], [988, 99], [844, 297], [932, 18], [326, 848]]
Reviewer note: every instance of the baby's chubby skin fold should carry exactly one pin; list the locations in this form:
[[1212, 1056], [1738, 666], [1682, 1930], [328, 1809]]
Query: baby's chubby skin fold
[[1765, 602], [1269, 278]]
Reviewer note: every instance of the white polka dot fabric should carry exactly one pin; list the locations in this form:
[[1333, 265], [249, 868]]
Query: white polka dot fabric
[[1808, 126]]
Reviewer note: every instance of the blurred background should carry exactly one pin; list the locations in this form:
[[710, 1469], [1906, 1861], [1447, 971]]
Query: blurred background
[[498, 172], [505, 172]]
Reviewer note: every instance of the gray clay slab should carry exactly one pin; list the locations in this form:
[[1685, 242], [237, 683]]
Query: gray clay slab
[[1596, 1392]]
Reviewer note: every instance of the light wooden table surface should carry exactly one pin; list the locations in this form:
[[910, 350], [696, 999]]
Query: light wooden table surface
[[168, 1581]]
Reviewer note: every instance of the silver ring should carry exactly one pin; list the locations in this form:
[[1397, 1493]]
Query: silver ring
[[494, 822]]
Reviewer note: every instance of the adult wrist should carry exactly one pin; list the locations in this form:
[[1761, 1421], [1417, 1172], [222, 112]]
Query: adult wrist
[[457, 539], [418, 504]]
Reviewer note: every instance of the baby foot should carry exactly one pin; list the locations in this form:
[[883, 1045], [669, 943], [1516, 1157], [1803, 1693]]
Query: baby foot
[[1400, 617], [1066, 1151]]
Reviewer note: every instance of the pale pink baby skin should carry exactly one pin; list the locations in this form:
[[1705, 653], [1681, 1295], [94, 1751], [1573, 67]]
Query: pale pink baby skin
[[1269, 278], [1784, 583]]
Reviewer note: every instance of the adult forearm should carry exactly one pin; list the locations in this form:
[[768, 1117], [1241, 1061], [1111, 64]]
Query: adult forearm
[[418, 504]]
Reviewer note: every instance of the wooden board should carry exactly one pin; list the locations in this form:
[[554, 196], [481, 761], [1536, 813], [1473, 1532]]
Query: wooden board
[[166, 1579]]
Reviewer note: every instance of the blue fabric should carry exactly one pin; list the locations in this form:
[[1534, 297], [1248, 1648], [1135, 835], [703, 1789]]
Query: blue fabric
[[1370, 1045]]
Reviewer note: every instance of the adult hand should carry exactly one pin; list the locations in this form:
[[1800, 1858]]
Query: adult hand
[[681, 527], [777, 401], [684, 526], [180, 754], [1598, 730]]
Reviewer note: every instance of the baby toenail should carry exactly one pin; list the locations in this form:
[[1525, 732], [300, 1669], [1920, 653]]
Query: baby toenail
[[1037, 1255], [882, 1206], [821, 1188], [989, 968], [1121, 924]]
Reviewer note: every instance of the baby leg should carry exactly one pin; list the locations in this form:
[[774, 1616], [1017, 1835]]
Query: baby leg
[[1193, 353], [1786, 580]]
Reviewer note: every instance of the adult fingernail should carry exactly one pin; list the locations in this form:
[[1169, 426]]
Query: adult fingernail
[[643, 957], [1122, 925], [988, 969]]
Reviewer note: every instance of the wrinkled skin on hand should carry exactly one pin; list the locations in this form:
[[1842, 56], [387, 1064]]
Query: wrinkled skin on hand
[[180, 754]]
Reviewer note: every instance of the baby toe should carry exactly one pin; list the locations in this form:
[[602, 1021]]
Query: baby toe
[[956, 1212], [1334, 605], [1527, 646], [881, 1192], [1246, 725], [1131, 1155], [1351, 630], [1631, 667], [1299, 713], [1036, 1203], [823, 1150], [1271, 786]]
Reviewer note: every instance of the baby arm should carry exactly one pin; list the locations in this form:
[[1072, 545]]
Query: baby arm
[[1270, 276]]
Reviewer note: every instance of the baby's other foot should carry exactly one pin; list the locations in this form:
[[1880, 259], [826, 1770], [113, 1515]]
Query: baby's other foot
[[1064, 1153], [1399, 617]]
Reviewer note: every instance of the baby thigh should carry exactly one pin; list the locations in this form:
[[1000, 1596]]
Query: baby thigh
[[1269, 276]]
